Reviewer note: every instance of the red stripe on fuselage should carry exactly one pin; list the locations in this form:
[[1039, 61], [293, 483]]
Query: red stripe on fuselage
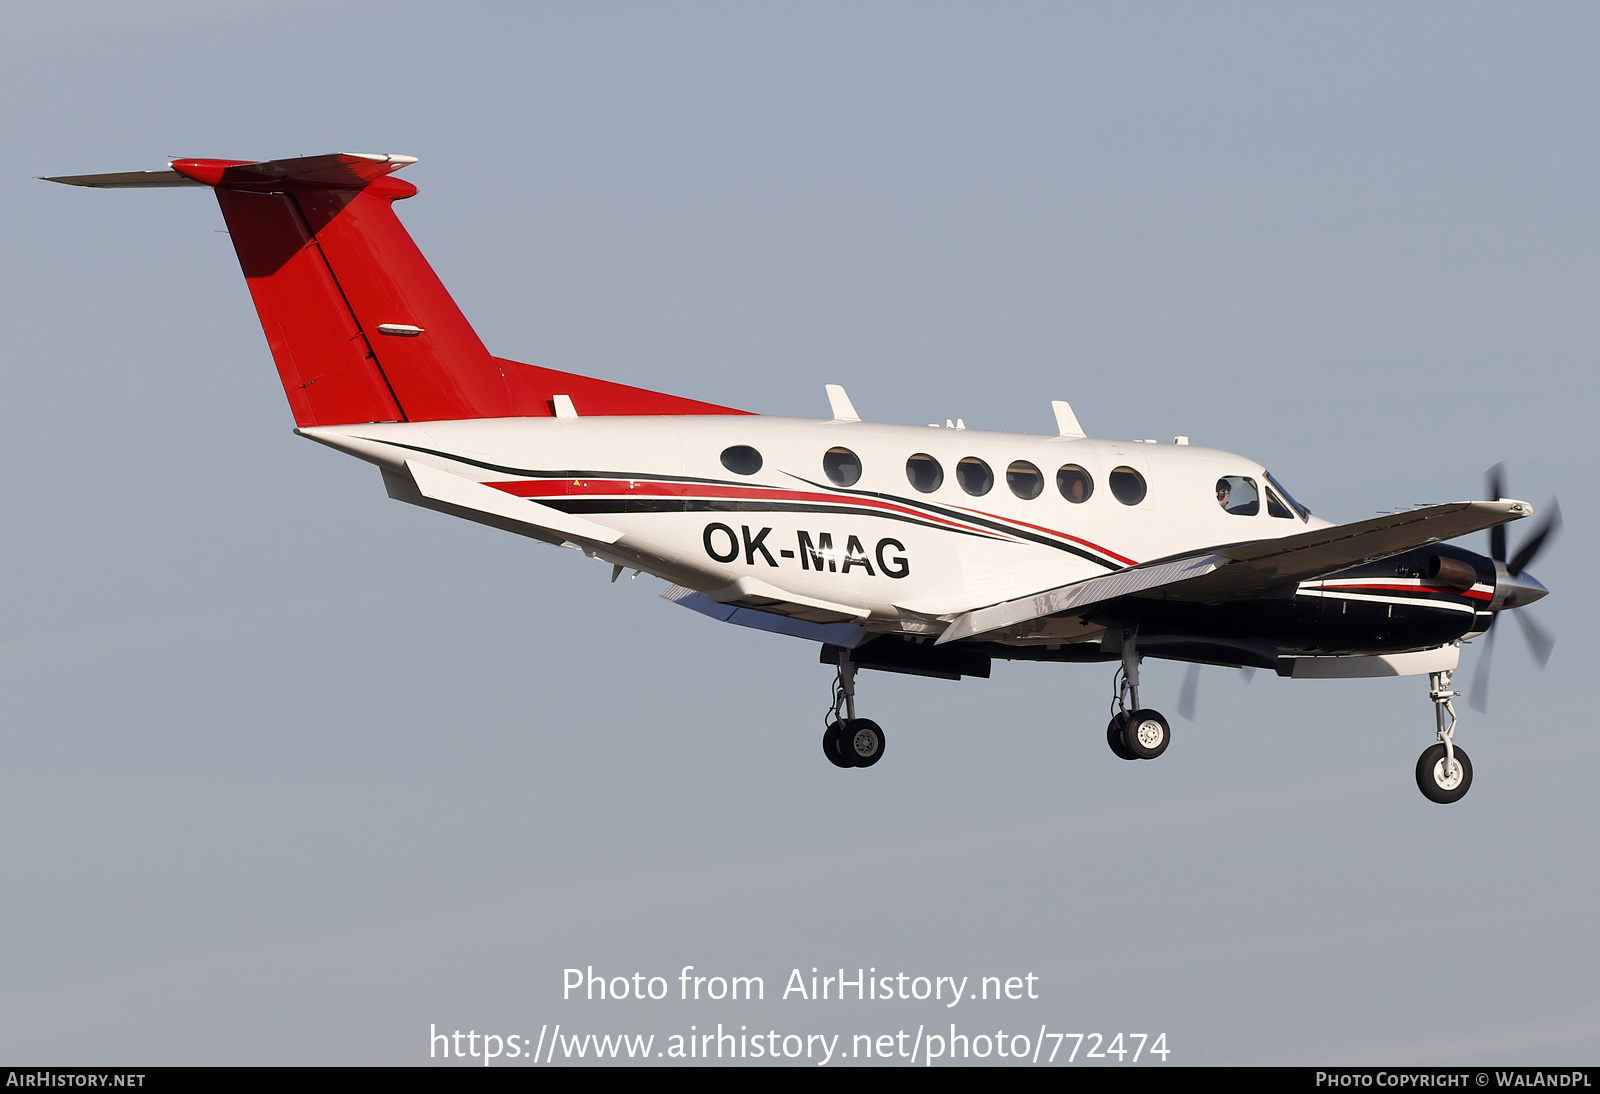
[[1063, 535], [545, 488]]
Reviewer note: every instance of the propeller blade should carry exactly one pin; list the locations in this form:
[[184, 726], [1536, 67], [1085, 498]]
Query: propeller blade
[[1536, 542], [1540, 644], [1494, 481], [1478, 699], [1189, 693], [1494, 486], [1249, 672]]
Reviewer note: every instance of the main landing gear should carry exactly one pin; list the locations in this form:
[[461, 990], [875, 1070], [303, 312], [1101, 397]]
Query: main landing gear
[[1444, 773], [849, 741], [1135, 733]]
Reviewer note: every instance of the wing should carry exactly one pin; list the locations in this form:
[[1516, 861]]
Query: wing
[[1256, 568]]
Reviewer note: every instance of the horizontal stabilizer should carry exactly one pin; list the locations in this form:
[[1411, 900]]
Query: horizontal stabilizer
[[128, 180], [341, 170]]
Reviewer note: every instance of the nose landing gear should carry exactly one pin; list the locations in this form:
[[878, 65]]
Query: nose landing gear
[[1444, 773], [850, 741]]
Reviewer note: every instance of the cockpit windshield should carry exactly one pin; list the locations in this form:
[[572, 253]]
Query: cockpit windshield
[[1288, 497]]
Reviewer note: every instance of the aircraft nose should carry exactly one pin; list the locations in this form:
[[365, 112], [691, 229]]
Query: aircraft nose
[[1517, 591]]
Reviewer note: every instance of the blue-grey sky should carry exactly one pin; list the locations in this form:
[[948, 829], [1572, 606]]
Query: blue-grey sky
[[291, 771]]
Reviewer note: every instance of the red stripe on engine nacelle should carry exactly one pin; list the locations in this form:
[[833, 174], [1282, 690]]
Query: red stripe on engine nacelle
[[1470, 594]]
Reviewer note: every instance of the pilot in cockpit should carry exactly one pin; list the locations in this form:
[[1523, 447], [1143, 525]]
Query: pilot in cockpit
[[1237, 495]]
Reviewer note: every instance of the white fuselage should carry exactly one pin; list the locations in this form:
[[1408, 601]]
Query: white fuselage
[[896, 552]]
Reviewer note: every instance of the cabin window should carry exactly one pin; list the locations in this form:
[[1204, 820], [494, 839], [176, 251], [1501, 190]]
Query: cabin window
[[741, 459], [1127, 485], [1024, 480], [842, 466], [974, 476], [924, 472], [1074, 483], [1238, 495]]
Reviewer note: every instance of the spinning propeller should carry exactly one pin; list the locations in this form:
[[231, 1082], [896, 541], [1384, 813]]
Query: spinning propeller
[[1512, 589], [1189, 695]]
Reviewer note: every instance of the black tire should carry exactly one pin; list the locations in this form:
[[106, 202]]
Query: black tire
[[833, 745], [1116, 740], [1430, 769], [862, 742], [1146, 734]]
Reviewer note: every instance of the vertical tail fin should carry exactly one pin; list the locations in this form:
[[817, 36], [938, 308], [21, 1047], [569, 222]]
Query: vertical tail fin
[[332, 273], [359, 325]]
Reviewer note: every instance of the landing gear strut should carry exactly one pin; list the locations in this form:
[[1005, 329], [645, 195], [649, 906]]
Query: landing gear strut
[[1444, 773], [1134, 732], [849, 741]]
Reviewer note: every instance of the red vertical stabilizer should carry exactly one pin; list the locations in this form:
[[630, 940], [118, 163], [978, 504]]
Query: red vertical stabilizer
[[360, 327]]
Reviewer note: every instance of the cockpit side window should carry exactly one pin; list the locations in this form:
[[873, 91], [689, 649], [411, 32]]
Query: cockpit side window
[[1303, 512], [1238, 495], [1275, 507]]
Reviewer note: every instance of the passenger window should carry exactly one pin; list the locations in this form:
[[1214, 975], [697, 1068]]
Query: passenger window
[[1276, 508], [1238, 495], [1074, 483], [741, 459], [1024, 480], [974, 476], [842, 466], [1127, 485], [924, 472]]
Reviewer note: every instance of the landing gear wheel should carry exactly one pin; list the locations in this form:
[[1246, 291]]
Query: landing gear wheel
[[1115, 738], [1146, 734], [862, 742], [833, 745], [1439, 785]]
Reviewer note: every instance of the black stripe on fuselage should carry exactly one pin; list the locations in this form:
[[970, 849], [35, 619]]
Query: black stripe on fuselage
[[528, 473], [948, 514], [963, 515], [733, 505]]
